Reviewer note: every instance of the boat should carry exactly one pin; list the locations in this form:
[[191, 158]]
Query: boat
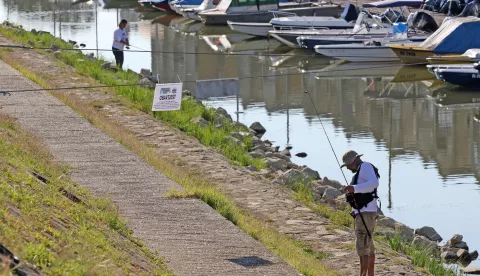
[[206, 5], [470, 56], [365, 29], [179, 5], [365, 52], [453, 37], [261, 12], [466, 75], [288, 21], [251, 28], [310, 42]]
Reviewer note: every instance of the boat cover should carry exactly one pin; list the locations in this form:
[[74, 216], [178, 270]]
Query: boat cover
[[454, 36], [424, 22], [394, 3]]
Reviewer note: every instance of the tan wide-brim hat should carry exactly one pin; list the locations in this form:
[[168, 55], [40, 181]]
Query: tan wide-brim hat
[[349, 157]]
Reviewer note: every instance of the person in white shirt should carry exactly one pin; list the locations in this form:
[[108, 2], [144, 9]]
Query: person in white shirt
[[363, 189], [120, 40]]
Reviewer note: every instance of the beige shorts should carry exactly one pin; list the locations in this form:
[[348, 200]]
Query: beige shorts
[[363, 242]]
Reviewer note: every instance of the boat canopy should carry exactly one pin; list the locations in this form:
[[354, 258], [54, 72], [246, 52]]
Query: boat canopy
[[455, 36], [394, 4]]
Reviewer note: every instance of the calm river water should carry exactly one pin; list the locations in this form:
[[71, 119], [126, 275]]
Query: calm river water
[[423, 138]]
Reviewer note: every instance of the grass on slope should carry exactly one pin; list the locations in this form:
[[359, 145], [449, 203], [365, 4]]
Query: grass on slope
[[216, 137], [60, 236]]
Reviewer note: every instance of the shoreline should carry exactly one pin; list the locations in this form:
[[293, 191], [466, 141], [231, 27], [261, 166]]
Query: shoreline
[[288, 174]]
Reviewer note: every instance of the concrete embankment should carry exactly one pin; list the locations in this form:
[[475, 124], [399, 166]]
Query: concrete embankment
[[194, 238]]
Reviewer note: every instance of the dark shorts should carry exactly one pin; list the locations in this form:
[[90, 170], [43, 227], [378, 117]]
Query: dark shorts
[[118, 56]]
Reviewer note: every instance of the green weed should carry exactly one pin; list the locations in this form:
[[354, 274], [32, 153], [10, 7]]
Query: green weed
[[421, 257]]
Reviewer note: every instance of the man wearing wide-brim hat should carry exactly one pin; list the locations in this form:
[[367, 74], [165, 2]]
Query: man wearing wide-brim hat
[[362, 196]]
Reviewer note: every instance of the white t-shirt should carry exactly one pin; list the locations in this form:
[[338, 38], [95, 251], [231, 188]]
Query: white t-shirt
[[118, 36], [366, 183]]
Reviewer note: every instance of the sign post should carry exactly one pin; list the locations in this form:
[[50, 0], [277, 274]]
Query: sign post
[[168, 96]]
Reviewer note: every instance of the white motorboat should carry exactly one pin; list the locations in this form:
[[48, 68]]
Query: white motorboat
[[289, 37], [261, 11], [251, 28], [365, 52], [288, 21]]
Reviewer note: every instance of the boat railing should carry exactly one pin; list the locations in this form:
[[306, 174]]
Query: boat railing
[[282, 14], [296, 28]]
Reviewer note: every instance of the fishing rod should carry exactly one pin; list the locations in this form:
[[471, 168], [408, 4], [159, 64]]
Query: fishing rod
[[336, 158]]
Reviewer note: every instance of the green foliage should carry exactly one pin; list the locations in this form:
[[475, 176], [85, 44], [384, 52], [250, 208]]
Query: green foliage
[[141, 97], [421, 257]]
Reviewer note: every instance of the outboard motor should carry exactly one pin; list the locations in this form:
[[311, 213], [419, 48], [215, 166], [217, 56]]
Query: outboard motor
[[349, 12], [450, 7], [432, 5], [424, 22], [471, 9]]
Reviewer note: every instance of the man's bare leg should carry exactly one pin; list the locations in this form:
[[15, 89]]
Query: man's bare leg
[[371, 265], [363, 265]]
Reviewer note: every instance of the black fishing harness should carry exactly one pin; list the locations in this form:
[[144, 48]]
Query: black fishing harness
[[361, 200]]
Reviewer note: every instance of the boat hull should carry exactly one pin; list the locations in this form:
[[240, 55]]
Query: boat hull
[[358, 53], [255, 29], [164, 6], [310, 42], [411, 55], [221, 18], [466, 77], [452, 59]]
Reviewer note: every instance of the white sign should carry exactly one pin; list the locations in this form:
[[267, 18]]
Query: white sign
[[168, 96]]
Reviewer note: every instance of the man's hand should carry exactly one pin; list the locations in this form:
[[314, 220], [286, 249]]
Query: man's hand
[[349, 189]]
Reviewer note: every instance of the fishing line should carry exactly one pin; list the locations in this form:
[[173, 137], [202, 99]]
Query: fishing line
[[150, 51], [141, 50], [336, 158], [326, 135], [193, 81]]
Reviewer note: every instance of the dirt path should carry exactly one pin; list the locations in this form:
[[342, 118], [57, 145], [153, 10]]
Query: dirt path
[[192, 236], [266, 201]]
